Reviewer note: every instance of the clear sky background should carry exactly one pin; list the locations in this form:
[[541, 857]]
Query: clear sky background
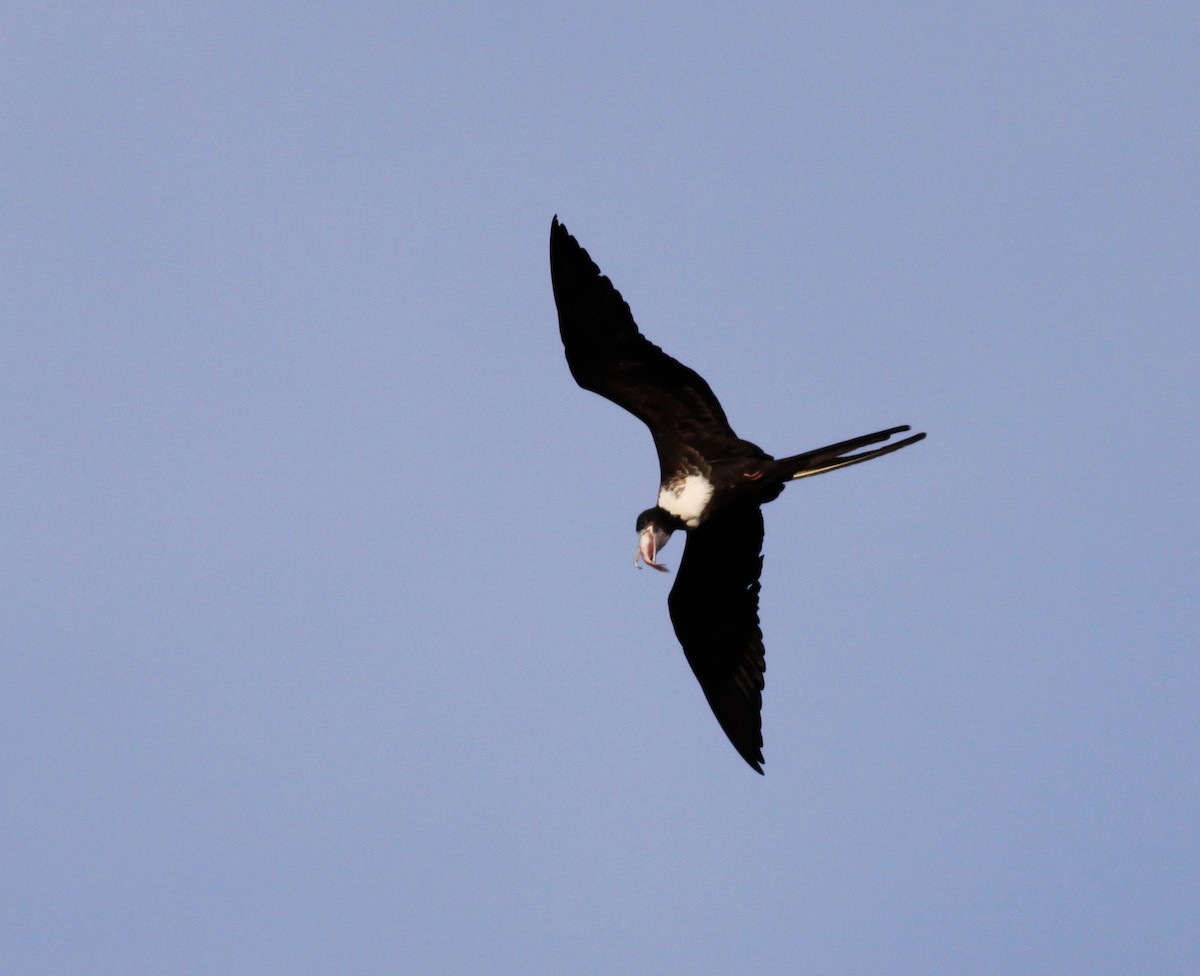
[[323, 651]]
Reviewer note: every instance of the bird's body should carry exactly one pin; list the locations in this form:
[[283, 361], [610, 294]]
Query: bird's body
[[712, 485]]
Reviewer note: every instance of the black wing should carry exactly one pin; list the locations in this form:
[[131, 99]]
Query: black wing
[[608, 355], [714, 607]]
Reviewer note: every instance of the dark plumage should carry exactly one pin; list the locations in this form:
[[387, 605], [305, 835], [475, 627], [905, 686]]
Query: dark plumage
[[713, 484]]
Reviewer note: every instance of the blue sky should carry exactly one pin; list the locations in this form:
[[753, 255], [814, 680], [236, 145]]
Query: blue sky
[[323, 649]]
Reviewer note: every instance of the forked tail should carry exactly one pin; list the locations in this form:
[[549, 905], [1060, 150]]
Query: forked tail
[[838, 455]]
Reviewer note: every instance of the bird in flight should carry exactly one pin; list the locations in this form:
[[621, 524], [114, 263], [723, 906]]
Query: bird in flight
[[713, 486]]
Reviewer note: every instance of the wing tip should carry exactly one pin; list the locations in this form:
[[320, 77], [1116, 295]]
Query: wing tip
[[564, 247], [751, 753]]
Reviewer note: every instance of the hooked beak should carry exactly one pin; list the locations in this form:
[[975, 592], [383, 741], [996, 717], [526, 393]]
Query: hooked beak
[[649, 542]]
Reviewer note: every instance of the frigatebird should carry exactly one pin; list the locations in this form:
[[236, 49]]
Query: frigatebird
[[713, 486]]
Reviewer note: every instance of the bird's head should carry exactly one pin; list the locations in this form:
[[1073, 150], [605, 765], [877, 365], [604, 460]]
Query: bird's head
[[654, 528]]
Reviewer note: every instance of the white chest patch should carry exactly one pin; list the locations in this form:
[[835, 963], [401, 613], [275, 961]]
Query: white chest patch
[[686, 499]]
